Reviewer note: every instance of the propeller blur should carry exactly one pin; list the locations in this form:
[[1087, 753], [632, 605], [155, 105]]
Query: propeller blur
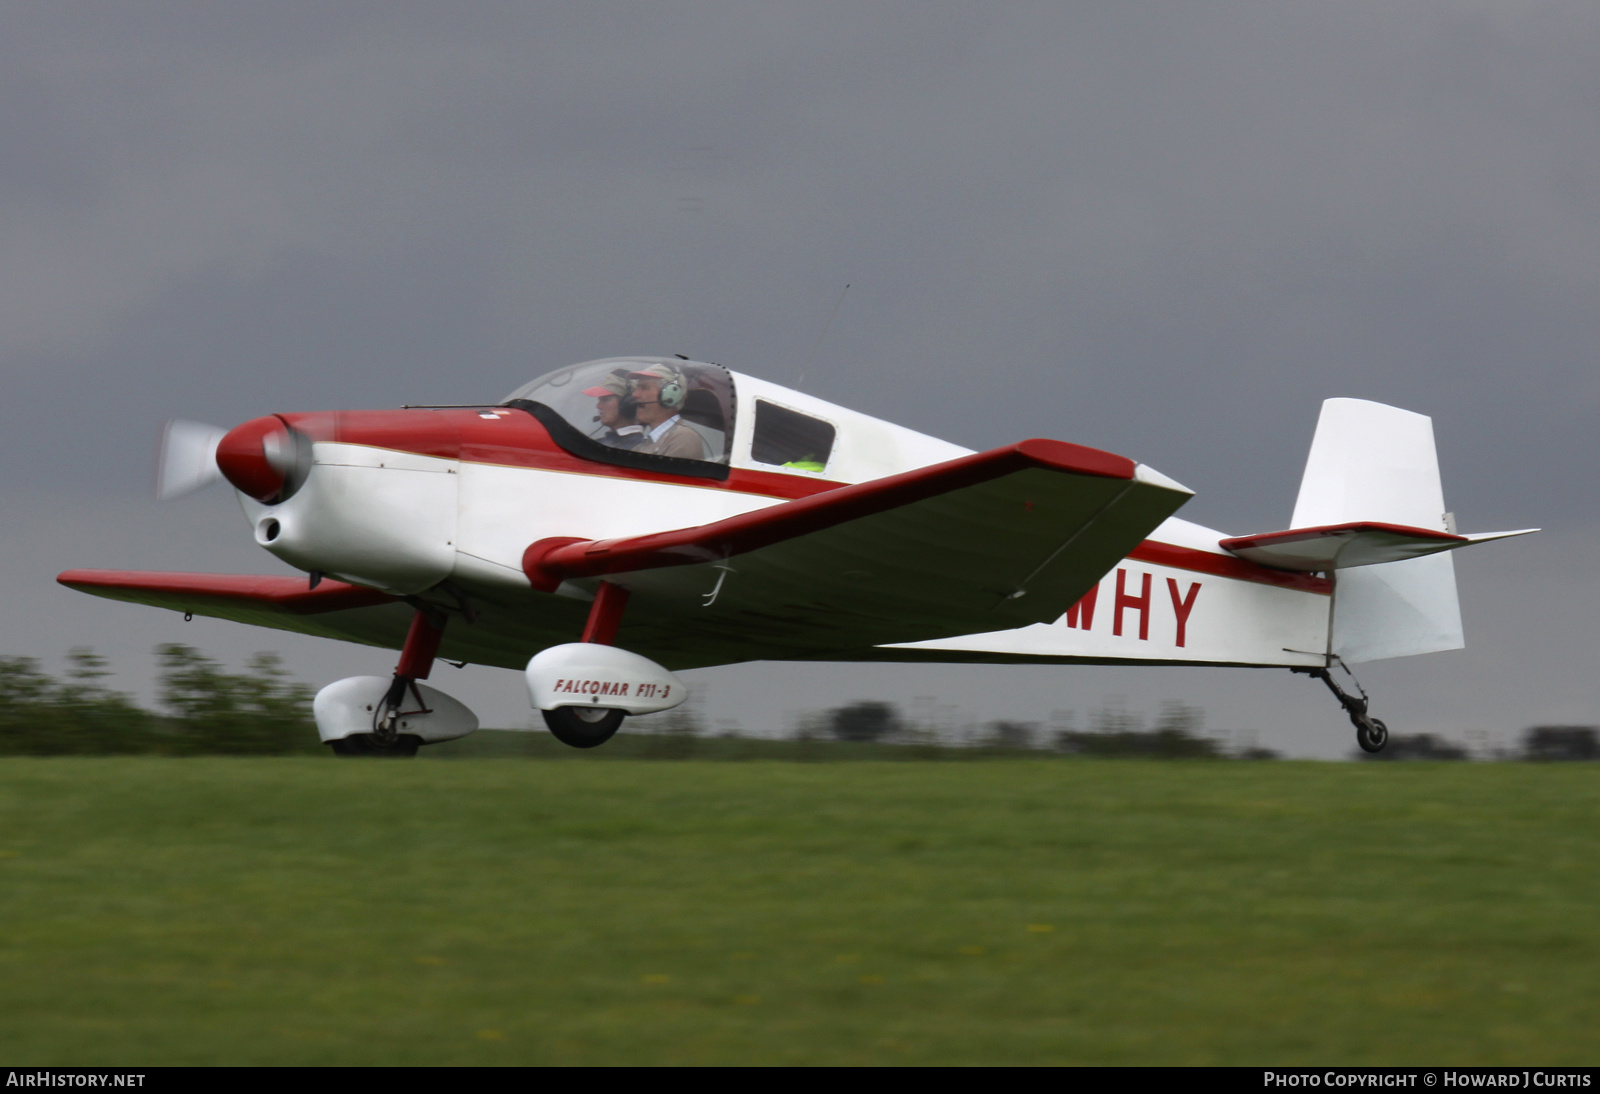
[[188, 458]]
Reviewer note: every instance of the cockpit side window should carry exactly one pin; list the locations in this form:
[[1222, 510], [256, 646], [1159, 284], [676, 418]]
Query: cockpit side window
[[790, 439], [669, 414]]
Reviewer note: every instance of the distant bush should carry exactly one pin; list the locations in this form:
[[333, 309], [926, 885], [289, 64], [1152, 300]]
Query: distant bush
[[1256, 752], [1561, 743], [1421, 746], [43, 716], [257, 712], [864, 721], [1176, 736], [674, 735], [1167, 744], [1011, 734], [212, 712]]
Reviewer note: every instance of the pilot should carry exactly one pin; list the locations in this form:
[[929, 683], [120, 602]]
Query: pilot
[[615, 409], [660, 391]]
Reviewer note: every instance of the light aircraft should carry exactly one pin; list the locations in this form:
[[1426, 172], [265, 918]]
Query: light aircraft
[[614, 522]]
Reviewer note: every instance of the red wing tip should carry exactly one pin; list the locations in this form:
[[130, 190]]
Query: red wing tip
[[71, 578], [161, 579], [1077, 458], [280, 591]]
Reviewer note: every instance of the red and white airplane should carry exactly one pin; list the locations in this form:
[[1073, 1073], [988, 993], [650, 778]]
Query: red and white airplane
[[616, 521]]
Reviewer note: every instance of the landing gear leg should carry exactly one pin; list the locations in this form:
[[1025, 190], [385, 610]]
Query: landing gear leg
[[1371, 734], [388, 736], [590, 727]]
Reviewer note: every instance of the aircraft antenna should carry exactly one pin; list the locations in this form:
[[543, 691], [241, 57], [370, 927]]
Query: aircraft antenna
[[818, 344]]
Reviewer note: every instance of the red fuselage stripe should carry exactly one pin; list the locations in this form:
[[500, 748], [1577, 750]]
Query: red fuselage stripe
[[514, 438]]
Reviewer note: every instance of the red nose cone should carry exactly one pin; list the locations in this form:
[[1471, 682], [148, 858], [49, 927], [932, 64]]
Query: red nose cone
[[243, 456]]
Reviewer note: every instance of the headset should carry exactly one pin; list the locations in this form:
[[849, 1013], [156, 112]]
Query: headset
[[672, 392]]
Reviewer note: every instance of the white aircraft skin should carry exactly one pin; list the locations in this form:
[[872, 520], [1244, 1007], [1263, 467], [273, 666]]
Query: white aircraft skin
[[439, 506], [424, 520]]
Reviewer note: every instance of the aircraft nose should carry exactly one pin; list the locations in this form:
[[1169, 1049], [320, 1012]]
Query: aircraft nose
[[264, 458]]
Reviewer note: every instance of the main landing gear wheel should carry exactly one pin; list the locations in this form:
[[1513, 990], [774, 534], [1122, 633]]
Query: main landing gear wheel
[[1372, 736], [583, 727], [368, 744]]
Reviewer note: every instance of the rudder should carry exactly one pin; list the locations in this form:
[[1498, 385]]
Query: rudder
[[1372, 462]]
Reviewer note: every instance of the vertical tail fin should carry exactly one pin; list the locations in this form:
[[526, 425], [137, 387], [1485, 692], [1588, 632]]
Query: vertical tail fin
[[1371, 462]]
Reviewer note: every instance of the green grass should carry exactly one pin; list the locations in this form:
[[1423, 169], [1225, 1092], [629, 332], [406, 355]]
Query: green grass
[[306, 911], [502, 743]]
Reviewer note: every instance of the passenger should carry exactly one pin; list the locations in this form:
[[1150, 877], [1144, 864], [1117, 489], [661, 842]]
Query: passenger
[[659, 392], [615, 409]]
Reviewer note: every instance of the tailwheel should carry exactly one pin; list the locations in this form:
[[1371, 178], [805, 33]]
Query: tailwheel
[[1372, 736], [583, 727], [370, 744]]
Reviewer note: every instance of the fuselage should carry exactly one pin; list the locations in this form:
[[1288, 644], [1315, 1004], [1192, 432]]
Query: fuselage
[[442, 503]]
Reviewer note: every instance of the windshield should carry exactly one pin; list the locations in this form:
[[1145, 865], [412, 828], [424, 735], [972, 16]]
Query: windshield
[[651, 406]]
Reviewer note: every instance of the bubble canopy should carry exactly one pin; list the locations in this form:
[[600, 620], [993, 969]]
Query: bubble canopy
[[628, 409]]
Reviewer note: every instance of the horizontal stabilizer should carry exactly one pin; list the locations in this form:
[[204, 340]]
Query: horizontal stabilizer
[[1339, 546], [1343, 546]]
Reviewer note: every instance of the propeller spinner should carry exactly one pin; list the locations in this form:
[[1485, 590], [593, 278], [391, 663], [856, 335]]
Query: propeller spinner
[[263, 457]]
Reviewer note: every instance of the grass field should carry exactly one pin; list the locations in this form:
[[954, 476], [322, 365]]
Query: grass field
[[306, 911]]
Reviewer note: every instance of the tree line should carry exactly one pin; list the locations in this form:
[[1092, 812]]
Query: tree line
[[1177, 735], [206, 710]]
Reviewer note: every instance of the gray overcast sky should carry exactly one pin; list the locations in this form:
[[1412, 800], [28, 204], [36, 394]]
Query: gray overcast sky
[[1165, 230]]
